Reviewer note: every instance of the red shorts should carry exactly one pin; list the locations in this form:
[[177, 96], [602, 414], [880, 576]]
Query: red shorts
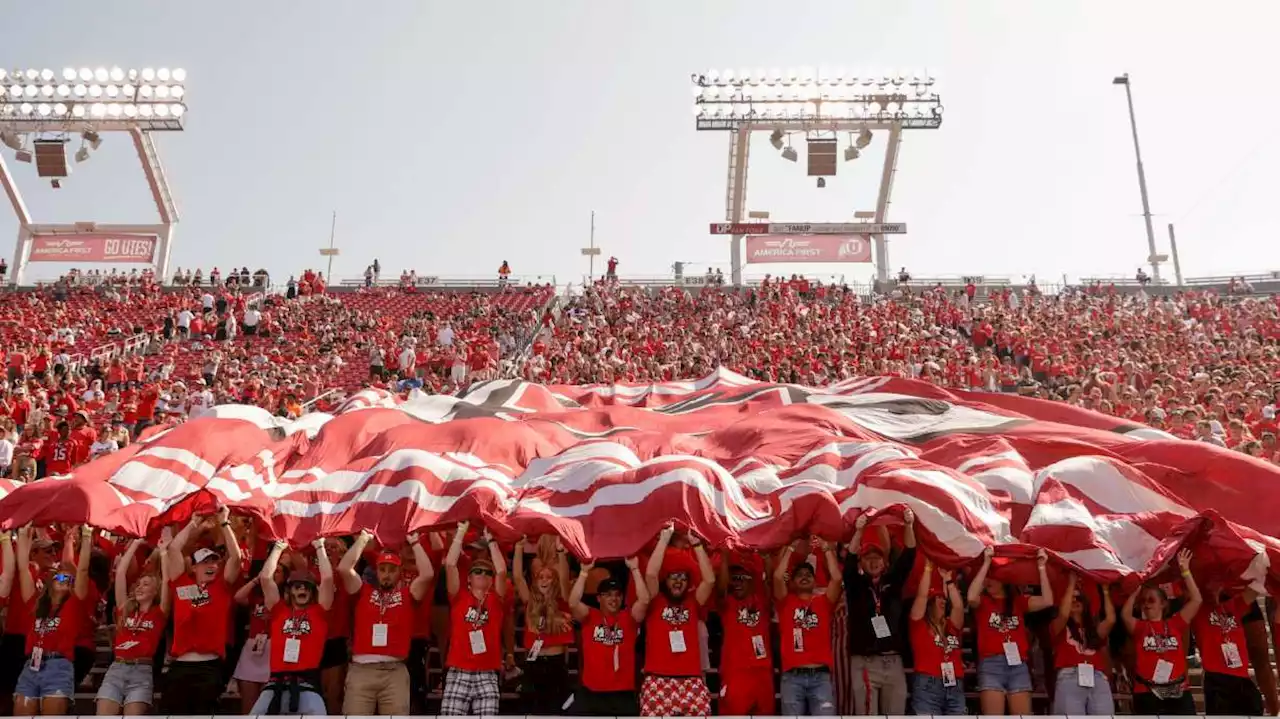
[[674, 697], [747, 693]]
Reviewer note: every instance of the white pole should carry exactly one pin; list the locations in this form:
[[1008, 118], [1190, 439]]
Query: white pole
[[333, 229], [591, 258], [1142, 180], [1173, 250]]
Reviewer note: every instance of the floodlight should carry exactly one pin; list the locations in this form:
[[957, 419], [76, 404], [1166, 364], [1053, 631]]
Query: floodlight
[[145, 110], [148, 74], [98, 110], [128, 90], [112, 90], [177, 109], [117, 74], [790, 154], [101, 74], [46, 74], [113, 110], [851, 153], [46, 90], [130, 110], [145, 91], [25, 108], [86, 74], [12, 140], [162, 74], [162, 91], [60, 109], [864, 138], [162, 110], [68, 74], [78, 111], [81, 90], [727, 76], [64, 90], [179, 75], [43, 109], [30, 90], [776, 139], [82, 154], [32, 74], [22, 156], [95, 91], [15, 91]]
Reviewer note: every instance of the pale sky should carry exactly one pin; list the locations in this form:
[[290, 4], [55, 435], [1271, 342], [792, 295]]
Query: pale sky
[[451, 136]]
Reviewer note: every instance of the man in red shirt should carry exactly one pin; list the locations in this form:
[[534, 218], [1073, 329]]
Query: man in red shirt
[[1224, 654], [804, 626], [475, 630], [746, 663], [608, 644], [299, 626], [673, 682], [201, 610], [377, 679], [61, 452]]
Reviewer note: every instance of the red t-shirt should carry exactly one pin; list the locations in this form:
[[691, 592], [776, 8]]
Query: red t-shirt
[[1216, 627], [200, 616], [56, 634], [671, 638], [18, 618], [393, 608], [744, 620], [994, 629], [309, 626], [89, 626], [480, 652], [139, 634], [339, 625], [1162, 640], [1069, 652], [932, 651], [804, 628], [609, 651]]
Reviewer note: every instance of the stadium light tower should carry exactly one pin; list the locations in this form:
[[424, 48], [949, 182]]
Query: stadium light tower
[[43, 110], [1152, 257], [818, 106]]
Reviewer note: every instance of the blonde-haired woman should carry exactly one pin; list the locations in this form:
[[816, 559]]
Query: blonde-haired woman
[[548, 629], [141, 615]]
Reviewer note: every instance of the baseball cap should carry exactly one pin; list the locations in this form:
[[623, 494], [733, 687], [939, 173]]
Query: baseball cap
[[608, 585], [302, 576], [389, 557], [205, 555]]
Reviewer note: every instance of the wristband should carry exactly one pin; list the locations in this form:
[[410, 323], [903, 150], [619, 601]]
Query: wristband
[[1186, 572]]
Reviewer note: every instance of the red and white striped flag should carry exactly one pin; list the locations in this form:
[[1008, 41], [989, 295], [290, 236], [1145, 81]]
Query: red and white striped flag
[[742, 463]]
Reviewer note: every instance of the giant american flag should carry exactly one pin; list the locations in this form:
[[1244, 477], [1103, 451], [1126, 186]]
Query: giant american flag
[[744, 464]]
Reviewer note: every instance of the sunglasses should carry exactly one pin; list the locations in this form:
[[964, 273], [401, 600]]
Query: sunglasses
[[740, 577], [62, 577], [485, 572]]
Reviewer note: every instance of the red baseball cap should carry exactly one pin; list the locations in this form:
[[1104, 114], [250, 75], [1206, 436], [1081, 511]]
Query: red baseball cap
[[389, 557]]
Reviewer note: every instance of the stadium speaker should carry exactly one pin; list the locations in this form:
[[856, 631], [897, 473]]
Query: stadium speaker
[[822, 157], [51, 158]]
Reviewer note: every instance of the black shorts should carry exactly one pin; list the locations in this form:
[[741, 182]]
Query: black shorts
[[335, 653], [83, 663], [13, 656], [1225, 694], [617, 704]]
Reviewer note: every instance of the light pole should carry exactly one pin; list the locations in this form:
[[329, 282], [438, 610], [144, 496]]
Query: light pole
[[1152, 257]]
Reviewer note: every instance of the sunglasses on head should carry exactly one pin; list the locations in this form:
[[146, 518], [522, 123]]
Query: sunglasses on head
[[62, 577]]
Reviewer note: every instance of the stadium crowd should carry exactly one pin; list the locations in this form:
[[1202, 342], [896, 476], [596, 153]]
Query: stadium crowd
[[348, 627]]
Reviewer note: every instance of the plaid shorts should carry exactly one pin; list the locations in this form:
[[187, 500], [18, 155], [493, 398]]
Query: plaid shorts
[[470, 693], [673, 697]]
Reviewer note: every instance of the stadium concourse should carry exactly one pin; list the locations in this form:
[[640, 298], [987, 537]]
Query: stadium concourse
[[95, 364]]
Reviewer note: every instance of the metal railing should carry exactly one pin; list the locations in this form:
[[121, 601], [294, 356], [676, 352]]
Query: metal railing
[[430, 282]]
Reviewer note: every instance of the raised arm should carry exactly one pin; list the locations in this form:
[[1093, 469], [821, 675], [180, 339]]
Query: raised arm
[[175, 557], [643, 597], [653, 570], [267, 577], [1126, 612], [707, 582], [230, 569], [162, 549], [418, 587], [780, 573], [1064, 607], [517, 571], [325, 589], [1108, 613], [859, 525], [579, 610], [1194, 600], [921, 602], [562, 567], [722, 576], [835, 583], [1045, 600], [974, 595], [452, 581], [499, 565], [26, 583], [347, 565], [953, 596], [909, 528], [10, 562], [122, 574], [81, 587]]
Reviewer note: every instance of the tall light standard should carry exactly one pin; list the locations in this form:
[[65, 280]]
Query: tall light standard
[[1152, 257]]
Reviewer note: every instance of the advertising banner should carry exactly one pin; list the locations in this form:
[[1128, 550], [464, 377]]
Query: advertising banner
[[808, 228], [808, 248], [93, 248]]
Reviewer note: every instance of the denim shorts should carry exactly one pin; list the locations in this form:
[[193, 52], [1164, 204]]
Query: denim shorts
[[128, 684], [995, 675], [930, 697], [56, 678]]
